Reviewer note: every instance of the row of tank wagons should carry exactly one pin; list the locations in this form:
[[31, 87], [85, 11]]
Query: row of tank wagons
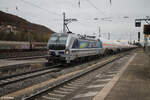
[[8, 45], [115, 47], [73, 47]]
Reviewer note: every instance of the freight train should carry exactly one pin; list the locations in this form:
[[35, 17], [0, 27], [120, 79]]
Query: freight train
[[70, 47], [13, 46]]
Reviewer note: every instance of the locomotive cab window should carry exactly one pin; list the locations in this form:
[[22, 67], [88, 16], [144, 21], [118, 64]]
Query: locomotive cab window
[[63, 40], [57, 42], [53, 39], [58, 39]]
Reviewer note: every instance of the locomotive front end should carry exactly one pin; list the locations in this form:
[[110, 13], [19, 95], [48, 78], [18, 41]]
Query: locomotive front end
[[57, 48]]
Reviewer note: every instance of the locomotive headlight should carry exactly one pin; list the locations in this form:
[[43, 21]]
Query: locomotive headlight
[[67, 52]]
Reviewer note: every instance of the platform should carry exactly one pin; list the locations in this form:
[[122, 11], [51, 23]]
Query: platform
[[133, 83]]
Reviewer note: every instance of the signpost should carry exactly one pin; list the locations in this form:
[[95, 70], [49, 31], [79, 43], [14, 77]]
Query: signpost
[[146, 31]]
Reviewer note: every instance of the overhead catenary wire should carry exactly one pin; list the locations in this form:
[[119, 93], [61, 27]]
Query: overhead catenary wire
[[54, 13], [34, 5], [85, 20], [44, 9], [95, 7]]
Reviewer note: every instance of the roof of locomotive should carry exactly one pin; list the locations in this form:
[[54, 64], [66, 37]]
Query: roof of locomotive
[[78, 36], [61, 34]]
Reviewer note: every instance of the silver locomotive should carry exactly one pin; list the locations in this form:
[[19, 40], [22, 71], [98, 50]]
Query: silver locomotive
[[69, 47]]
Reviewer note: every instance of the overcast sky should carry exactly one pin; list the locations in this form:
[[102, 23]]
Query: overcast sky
[[116, 18]]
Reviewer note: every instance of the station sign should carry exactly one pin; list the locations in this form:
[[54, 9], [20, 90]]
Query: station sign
[[147, 29]]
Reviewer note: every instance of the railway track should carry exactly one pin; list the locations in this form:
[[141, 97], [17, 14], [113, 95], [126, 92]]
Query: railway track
[[57, 82], [58, 90], [26, 58], [19, 77], [22, 54], [66, 83]]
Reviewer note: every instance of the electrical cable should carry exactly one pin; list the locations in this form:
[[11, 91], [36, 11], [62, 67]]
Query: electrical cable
[[95, 7], [85, 20], [31, 4]]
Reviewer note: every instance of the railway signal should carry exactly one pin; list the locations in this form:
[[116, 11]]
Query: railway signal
[[137, 24]]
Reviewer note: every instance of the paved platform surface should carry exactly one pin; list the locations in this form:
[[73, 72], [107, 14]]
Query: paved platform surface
[[134, 83]]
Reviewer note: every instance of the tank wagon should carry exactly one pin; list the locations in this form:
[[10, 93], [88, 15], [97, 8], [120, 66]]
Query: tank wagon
[[113, 46]]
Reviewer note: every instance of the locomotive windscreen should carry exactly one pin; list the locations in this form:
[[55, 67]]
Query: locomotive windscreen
[[58, 39], [57, 42]]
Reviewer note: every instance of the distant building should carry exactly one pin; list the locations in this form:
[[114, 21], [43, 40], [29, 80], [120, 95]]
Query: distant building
[[8, 29]]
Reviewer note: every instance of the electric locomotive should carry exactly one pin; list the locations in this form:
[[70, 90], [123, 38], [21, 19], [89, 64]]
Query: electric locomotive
[[67, 47]]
